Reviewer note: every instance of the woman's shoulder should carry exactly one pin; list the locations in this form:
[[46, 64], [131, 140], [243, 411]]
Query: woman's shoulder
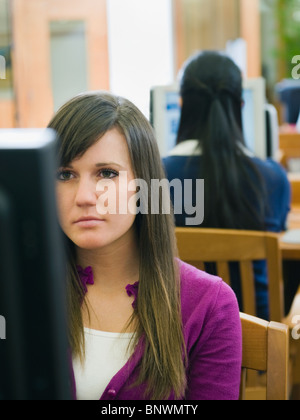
[[270, 168], [276, 180], [204, 293], [193, 278]]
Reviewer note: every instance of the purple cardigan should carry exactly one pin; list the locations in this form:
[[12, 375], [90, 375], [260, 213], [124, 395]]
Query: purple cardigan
[[212, 332]]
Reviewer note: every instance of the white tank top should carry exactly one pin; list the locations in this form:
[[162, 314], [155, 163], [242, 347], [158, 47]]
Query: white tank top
[[106, 353]]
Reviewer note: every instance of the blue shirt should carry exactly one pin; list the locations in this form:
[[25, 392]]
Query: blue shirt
[[184, 163]]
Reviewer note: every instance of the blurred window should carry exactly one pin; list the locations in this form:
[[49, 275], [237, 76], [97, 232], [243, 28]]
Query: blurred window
[[68, 60], [141, 48]]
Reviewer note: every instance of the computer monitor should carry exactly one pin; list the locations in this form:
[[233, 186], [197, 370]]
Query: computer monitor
[[272, 131], [34, 357], [254, 116], [165, 114]]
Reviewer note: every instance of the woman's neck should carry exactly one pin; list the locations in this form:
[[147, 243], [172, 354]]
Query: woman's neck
[[115, 265]]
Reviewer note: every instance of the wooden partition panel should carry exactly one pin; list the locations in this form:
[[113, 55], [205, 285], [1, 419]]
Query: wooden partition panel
[[251, 32], [7, 114], [31, 58], [204, 24], [209, 24]]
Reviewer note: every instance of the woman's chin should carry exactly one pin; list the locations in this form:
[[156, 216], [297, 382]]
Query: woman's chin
[[89, 243]]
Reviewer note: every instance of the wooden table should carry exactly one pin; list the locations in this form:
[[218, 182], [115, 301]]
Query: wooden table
[[289, 144], [292, 251], [294, 179]]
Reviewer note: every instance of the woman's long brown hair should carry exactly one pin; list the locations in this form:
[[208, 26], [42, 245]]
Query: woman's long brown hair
[[157, 317]]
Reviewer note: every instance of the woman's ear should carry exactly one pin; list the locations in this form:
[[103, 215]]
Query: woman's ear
[[180, 101]]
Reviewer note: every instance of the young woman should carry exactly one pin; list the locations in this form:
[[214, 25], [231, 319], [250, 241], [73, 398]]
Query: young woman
[[143, 325], [241, 190]]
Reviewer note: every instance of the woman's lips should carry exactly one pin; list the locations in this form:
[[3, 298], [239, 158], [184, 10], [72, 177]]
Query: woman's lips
[[88, 222]]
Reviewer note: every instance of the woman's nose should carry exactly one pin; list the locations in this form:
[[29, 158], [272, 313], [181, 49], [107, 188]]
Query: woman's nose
[[86, 193]]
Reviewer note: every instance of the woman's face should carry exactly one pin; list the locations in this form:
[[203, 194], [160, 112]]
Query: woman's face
[[89, 191]]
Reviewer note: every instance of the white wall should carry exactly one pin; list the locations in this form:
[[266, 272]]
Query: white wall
[[141, 48]]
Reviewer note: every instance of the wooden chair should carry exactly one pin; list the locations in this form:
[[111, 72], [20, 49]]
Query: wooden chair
[[265, 348], [293, 321], [294, 179], [197, 246], [289, 147]]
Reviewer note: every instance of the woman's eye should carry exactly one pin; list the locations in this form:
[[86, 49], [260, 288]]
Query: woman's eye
[[64, 175], [108, 173]]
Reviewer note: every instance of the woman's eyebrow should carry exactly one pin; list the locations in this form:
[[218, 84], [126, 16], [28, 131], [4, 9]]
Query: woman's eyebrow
[[97, 165], [69, 166], [101, 164]]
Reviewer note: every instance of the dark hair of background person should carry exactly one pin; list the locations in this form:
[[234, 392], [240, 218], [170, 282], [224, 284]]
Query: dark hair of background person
[[211, 91]]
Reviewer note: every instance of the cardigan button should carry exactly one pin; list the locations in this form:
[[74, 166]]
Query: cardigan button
[[111, 393]]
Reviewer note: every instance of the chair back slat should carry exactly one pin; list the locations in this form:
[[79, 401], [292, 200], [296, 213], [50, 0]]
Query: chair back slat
[[278, 355], [223, 271], [266, 349], [197, 246], [248, 287]]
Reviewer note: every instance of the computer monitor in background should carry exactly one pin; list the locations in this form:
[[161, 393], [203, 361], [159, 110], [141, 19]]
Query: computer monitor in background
[[253, 113], [272, 131], [34, 359], [165, 114]]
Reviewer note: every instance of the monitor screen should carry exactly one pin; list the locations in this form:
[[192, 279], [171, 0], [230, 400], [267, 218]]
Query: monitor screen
[[34, 359], [165, 114], [248, 116]]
